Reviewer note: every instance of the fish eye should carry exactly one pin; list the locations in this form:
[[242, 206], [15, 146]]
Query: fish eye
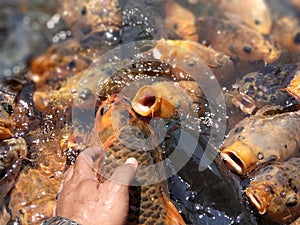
[[247, 49], [291, 201], [257, 22], [297, 38], [7, 107]]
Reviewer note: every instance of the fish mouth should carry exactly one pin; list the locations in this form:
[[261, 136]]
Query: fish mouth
[[4, 132], [233, 161], [256, 201], [145, 101]]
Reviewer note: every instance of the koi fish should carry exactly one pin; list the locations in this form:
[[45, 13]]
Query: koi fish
[[221, 64], [86, 18], [274, 190], [181, 21], [264, 87], [149, 203], [124, 133], [286, 33], [254, 13], [235, 40], [272, 134]]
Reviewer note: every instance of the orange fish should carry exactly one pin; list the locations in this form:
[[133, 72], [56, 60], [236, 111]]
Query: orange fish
[[254, 13], [235, 40], [181, 21], [183, 50], [286, 33], [124, 133]]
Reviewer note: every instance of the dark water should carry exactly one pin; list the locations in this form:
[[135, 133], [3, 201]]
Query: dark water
[[210, 196]]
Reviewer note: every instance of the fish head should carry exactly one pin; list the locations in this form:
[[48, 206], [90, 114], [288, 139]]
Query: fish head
[[260, 195], [239, 156], [147, 101]]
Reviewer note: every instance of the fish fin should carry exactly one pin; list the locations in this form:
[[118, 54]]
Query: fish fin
[[173, 217]]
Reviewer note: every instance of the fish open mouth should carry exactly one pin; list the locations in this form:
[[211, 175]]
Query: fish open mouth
[[144, 101], [255, 200], [233, 161]]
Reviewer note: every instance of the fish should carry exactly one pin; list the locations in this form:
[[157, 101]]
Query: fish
[[93, 19], [253, 13], [221, 64], [293, 87], [272, 134], [236, 40], [274, 190], [123, 134], [286, 33], [264, 87], [12, 152], [180, 21]]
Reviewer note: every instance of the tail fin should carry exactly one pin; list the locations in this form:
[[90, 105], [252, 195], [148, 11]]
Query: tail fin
[[173, 217]]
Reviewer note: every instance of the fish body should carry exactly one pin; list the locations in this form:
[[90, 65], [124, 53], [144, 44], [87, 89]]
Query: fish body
[[235, 40], [274, 190], [254, 13], [269, 135], [286, 33], [12, 152], [124, 135], [264, 87], [181, 21], [184, 50], [90, 18]]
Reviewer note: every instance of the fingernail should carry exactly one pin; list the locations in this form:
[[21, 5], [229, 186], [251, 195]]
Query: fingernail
[[131, 161]]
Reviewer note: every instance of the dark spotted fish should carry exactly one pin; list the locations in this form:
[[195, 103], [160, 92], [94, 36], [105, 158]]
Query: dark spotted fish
[[264, 87], [235, 40], [254, 13], [274, 190], [272, 134]]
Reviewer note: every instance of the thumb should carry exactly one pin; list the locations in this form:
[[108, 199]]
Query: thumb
[[125, 173]]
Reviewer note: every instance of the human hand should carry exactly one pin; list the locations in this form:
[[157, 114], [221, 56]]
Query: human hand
[[85, 200]]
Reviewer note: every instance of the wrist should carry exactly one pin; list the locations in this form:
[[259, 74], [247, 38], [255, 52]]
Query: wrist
[[58, 220]]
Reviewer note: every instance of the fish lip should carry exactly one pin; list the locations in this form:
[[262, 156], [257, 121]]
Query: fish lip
[[145, 101], [233, 161], [256, 202]]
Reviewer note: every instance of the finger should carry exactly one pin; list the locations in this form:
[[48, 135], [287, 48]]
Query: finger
[[92, 154], [125, 173], [82, 169], [68, 174]]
